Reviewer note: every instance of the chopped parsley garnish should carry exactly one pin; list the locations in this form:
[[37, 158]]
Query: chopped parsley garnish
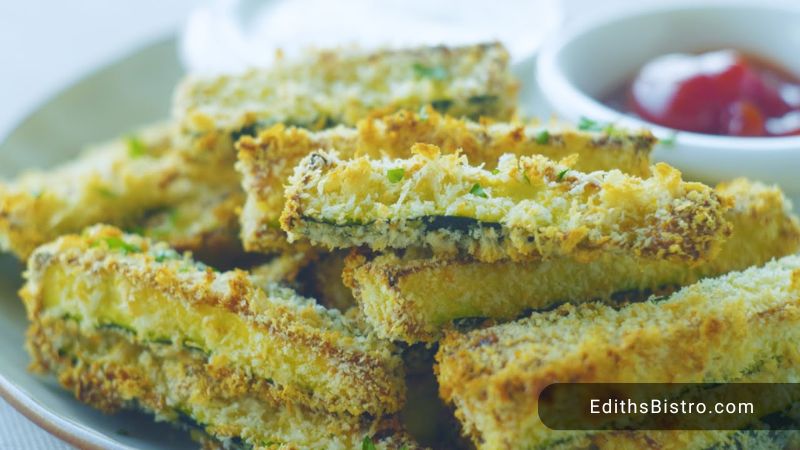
[[105, 192], [172, 216], [669, 141], [587, 124], [524, 173], [68, 316], [162, 254], [478, 190], [115, 243], [395, 175], [367, 444], [543, 137], [495, 171], [136, 147], [561, 174], [136, 229], [432, 72]]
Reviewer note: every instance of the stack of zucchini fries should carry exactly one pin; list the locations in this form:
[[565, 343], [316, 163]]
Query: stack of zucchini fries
[[267, 268]]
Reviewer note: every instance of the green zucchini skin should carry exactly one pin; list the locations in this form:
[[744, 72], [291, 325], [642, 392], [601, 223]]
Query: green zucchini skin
[[406, 232], [457, 223]]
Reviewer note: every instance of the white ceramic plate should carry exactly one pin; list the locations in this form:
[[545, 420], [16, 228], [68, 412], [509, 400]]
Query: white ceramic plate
[[576, 69], [119, 97]]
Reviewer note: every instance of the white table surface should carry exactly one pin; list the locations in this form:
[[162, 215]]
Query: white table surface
[[46, 45]]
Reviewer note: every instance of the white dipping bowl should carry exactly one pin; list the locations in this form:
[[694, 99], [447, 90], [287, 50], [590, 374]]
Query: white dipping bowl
[[591, 59]]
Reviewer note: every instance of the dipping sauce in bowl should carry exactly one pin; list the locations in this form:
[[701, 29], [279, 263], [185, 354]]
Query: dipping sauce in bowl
[[724, 92]]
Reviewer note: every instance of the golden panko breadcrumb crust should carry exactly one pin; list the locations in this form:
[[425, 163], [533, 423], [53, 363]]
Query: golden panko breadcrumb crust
[[328, 88], [105, 278], [718, 330], [223, 407], [410, 297], [113, 182], [140, 182], [529, 207], [267, 162]]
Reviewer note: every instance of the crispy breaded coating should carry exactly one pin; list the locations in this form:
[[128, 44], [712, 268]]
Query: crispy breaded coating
[[104, 278], [410, 297], [333, 87], [139, 182], [529, 208], [484, 142], [224, 407], [267, 162], [718, 330], [114, 182]]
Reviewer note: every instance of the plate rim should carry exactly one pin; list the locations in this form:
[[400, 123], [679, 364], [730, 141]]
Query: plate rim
[[34, 107], [67, 430]]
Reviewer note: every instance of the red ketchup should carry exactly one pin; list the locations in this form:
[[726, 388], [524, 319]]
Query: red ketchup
[[722, 92]]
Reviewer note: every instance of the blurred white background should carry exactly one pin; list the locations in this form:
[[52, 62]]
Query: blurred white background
[[47, 45]]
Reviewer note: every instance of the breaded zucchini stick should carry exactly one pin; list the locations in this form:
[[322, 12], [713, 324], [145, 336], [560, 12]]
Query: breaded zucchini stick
[[104, 279], [267, 162], [410, 297], [110, 370], [718, 330], [528, 208], [340, 87], [114, 182]]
